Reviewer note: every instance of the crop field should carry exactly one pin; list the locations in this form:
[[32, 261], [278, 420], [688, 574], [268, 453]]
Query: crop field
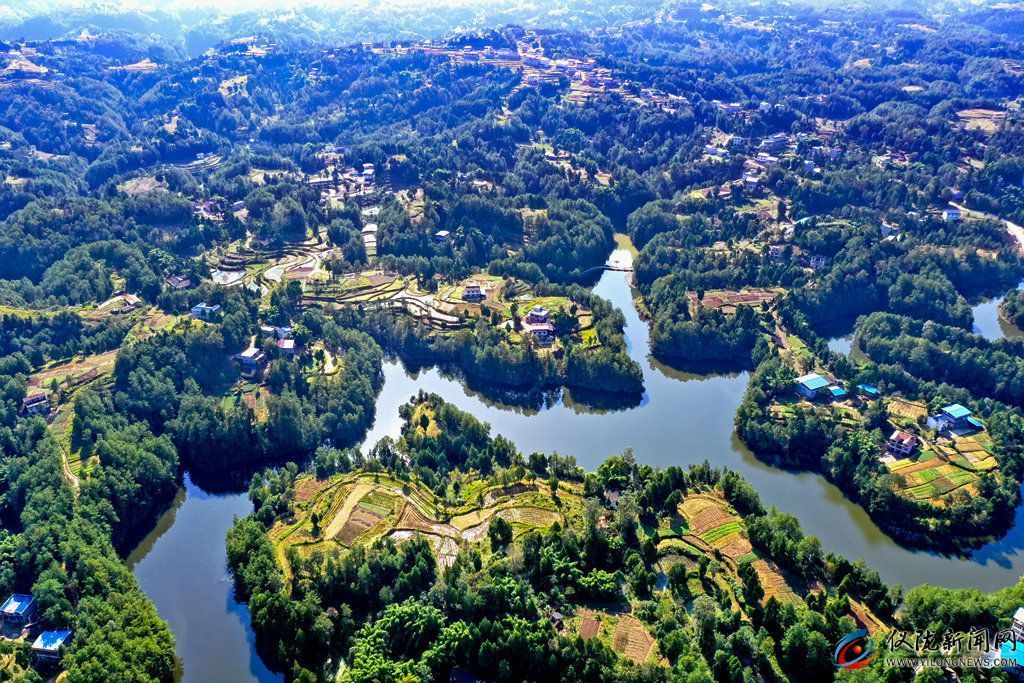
[[357, 509], [623, 632], [984, 120], [774, 582], [906, 410], [632, 640], [359, 521], [705, 513], [932, 479], [76, 372], [589, 626], [718, 533], [141, 185], [728, 300], [946, 466], [715, 526]]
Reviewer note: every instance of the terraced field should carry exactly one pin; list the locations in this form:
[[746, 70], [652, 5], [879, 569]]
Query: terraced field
[[950, 464], [623, 632], [714, 527], [358, 509]]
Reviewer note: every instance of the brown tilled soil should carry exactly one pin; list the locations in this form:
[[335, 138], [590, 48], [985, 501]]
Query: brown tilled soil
[[589, 628], [359, 521], [412, 518], [512, 490], [306, 489], [710, 518]]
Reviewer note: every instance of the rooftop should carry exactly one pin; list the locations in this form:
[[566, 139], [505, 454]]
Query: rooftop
[[956, 411], [812, 381], [17, 604], [902, 437], [50, 641]]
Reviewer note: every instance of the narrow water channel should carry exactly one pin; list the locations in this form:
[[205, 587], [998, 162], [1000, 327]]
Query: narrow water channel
[[182, 567], [682, 418]]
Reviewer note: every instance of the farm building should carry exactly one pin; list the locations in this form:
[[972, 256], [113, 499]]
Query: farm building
[[18, 609], [49, 646], [954, 416], [868, 391], [273, 332], [901, 444], [472, 292], [816, 261], [889, 229], [1017, 625], [205, 311], [836, 392], [442, 236], [810, 385], [951, 214], [542, 333], [35, 404]]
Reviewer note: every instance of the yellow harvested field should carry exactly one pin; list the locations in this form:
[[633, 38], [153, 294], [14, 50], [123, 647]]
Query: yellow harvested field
[[906, 409], [355, 494], [774, 583], [984, 120], [632, 640]]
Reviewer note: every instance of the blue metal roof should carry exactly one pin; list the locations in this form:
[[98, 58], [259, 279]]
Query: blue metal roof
[[812, 381], [867, 388], [837, 391], [1013, 651], [976, 422], [956, 411], [17, 604], [50, 641]]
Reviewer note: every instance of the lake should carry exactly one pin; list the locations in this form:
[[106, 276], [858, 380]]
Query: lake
[[989, 324], [682, 418]]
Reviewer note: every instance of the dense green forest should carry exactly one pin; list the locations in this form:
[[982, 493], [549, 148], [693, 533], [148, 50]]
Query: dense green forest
[[394, 609]]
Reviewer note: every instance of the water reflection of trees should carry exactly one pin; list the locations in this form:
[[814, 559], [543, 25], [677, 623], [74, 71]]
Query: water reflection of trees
[[527, 401]]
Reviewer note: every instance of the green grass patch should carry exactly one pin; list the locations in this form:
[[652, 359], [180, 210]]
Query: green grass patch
[[721, 532]]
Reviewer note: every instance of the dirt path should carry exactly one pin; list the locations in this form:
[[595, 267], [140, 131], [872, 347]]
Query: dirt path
[[1015, 231]]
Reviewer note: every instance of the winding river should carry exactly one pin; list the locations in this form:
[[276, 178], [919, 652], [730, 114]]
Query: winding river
[[682, 418]]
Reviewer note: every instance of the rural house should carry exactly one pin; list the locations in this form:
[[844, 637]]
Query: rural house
[[178, 281], [35, 404], [205, 311], [538, 315], [902, 444], [251, 361], [287, 347]]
